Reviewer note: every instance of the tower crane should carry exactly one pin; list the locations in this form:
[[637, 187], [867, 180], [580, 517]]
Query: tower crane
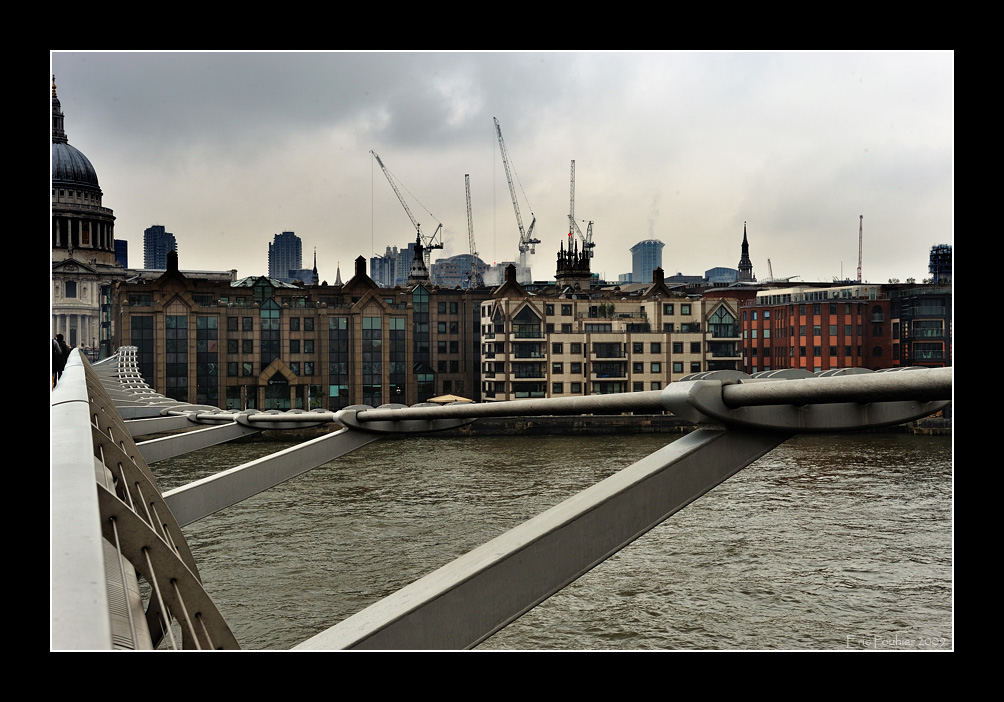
[[474, 279], [428, 243], [587, 238], [526, 241]]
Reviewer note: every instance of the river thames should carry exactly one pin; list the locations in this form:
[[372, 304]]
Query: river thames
[[830, 542]]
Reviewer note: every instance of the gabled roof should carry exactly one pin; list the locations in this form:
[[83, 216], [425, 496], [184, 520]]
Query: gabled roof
[[509, 287]]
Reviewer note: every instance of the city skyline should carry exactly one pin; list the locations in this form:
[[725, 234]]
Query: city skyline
[[229, 148]]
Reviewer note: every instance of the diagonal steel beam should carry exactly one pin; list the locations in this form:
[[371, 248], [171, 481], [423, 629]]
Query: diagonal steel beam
[[468, 600]]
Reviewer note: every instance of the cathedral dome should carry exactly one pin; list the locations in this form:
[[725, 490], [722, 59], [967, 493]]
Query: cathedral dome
[[81, 227], [71, 167]]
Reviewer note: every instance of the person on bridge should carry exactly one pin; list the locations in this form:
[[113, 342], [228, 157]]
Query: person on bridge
[[60, 352]]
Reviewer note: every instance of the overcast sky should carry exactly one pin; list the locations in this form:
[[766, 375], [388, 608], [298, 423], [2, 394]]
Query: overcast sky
[[228, 149]]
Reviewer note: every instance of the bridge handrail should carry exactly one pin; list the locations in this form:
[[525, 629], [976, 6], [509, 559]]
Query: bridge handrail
[[108, 522]]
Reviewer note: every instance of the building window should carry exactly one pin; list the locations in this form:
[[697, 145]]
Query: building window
[[247, 369], [308, 346], [294, 346], [232, 369], [576, 368], [247, 345], [657, 367], [566, 310], [308, 324], [575, 348], [557, 367], [677, 347], [294, 324], [656, 347], [557, 388], [233, 346], [232, 324], [576, 388], [684, 309], [695, 347], [526, 324], [557, 347], [677, 367], [248, 323]]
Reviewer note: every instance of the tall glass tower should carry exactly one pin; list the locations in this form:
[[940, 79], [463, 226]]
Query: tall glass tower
[[646, 256], [157, 243], [285, 254]]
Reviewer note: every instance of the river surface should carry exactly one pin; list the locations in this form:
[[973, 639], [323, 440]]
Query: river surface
[[833, 542]]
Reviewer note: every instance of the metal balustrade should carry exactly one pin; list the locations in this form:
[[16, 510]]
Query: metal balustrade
[[109, 520]]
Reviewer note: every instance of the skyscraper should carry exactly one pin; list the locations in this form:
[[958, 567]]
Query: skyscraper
[[285, 254], [157, 243], [941, 264], [646, 256]]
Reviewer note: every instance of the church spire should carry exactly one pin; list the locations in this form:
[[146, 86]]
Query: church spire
[[745, 265]]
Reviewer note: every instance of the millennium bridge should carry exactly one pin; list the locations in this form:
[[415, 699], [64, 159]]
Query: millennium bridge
[[124, 577]]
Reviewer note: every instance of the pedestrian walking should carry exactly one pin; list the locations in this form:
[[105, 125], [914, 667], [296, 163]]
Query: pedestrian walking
[[60, 352]]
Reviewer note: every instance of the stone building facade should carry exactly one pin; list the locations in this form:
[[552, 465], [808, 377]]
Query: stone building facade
[[84, 266], [261, 343], [574, 339]]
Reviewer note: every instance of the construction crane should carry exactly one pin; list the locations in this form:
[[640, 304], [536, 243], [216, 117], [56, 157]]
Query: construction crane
[[587, 238], [861, 228], [526, 241], [428, 243], [474, 279], [772, 279]]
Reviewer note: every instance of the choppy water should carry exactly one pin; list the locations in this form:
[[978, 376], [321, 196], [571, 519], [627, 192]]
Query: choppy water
[[828, 542]]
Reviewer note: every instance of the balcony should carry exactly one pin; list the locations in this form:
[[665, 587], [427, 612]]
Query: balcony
[[528, 370], [609, 350], [528, 350], [608, 370]]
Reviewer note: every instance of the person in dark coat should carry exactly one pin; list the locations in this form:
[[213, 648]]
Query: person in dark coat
[[60, 352]]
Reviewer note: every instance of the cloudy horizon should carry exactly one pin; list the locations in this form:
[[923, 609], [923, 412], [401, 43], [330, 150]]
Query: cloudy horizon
[[228, 149]]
